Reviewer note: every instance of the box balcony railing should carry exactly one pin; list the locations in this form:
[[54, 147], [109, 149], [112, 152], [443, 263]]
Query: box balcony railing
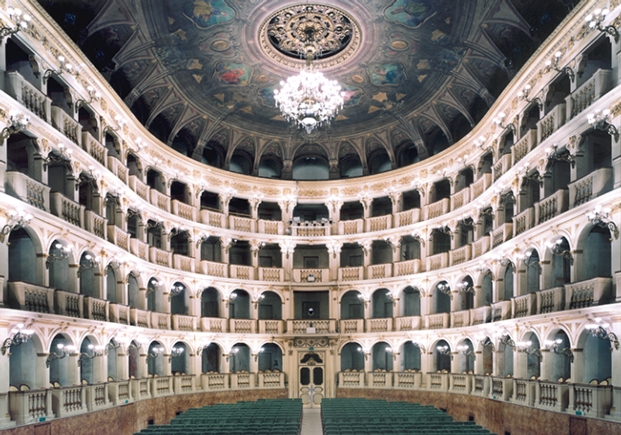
[[141, 189], [271, 326], [243, 224], [408, 323], [525, 145], [182, 322], [407, 267], [379, 271], [590, 186], [460, 383], [184, 263], [459, 319], [480, 246], [524, 221], [501, 234], [501, 166], [460, 255], [551, 300], [160, 320], [480, 385], [95, 224], [378, 223], [407, 217], [378, 325], [310, 230], [215, 381], [552, 396], [437, 261], [408, 379], [552, 206], [437, 209], [32, 192], [31, 297], [140, 318], [214, 268], [241, 272], [350, 228], [590, 91], [501, 310], [243, 326], [96, 309], [119, 169], [590, 400], [213, 218], [591, 292], [68, 401], [30, 406], [69, 304], [68, 126], [160, 257], [438, 381], [271, 274], [183, 210], [501, 388], [481, 185], [66, 209], [351, 379], [160, 200], [97, 397], [161, 386], [271, 379], [351, 273], [119, 392], [480, 315], [242, 380], [309, 326], [351, 326], [139, 248], [118, 237], [379, 379], [213, 324], [554, 120], [524, 305], [459, 199], [523, 392], [140, 389], [183, 384], [437, 321], [311, 275], [119, 313], [274, 228], [27, 94], [94, 148]]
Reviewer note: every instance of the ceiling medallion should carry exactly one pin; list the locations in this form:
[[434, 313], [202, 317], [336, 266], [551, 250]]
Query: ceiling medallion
[[310, 32]]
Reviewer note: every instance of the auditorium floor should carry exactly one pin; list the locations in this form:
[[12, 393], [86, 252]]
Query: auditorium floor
[[311, 422]]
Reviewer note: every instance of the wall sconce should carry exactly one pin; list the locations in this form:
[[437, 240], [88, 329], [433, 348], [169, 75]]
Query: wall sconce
[[88, 262], [507, 341], [559, 250], [485, 341], [418, 237], [63, 156], [232, 353], [93, 95], [63, 66], [136, 347], [595, 20], [601, 120], [554, 65], [17, 219], [61, 254], [112, 344], [529, 261], [524, 93], [499, 122], [176, 290], [601, 217], [257, 300], [256, 355], [503, 260], [601, 331], [443, 349], [363, 352], [21, 20], [91, 352], [525, 347], [465, 287], [464, 349], [202, 347], [20, 336], [175, 352], [555, 346], [420, 346], [552, 153], [481, 142], [155, 352], [445, 288], [120, 123], [17, 122], [63, 352], [364, 299]]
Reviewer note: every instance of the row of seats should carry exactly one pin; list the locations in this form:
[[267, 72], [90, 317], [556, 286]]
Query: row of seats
[[263, 417], [379, 417]]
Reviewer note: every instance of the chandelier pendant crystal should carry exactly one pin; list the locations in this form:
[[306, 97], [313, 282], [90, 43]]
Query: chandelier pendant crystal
[[309, 99]]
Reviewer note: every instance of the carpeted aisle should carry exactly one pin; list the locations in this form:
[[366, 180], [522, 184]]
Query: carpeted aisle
[[311, 422]]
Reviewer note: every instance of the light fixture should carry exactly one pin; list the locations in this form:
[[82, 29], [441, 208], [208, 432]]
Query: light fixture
[[530, 261], [481, 142], [601, 218], [464, 349], [93, 95], [120, 123], [419, 345], [17, 219], [88, 262], [443, 349], [63, 352], [21, 20], [258, 300], [465, 287], [499, 119], [554, 65], [524, 94], [601, 120], [19, 336], [526, 347], [154, 352], [309, 99], [63, 66], [485, 341], [202, 347], [60, 252], [234, 351], [175, 352], [555, 346], [92, 351], [600, 330], [506, 340], [560, 248], [176, 290], [364, 299], [553, 154], [596, 19], [17, 122], [444, 287], [62, 156]]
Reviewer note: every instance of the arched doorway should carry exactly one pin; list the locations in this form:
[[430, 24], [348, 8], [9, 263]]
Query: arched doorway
[[311, 380]]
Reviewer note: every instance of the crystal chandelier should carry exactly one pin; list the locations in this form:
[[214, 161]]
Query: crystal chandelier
[[309, 99]]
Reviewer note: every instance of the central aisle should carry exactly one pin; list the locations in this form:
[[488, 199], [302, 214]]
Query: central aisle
[[311, 422]]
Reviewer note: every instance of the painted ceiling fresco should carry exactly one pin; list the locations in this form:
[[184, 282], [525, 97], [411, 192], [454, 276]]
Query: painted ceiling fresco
[[192, 66]]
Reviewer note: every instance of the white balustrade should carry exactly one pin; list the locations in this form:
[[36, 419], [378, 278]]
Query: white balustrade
[[436, 209], [595, 291], [351, 228], [213, 218], [408, 323], [212, 268], [379, 271], [31, 297], [378, 223], [551, 300], [460, 255], [461, 198], [524, 221], [590, 186], [213, 324], [551, 122], [66, 209], [27, 94], [407, 217], [351, 326], [551, 206], [378, 325], [30, 191]]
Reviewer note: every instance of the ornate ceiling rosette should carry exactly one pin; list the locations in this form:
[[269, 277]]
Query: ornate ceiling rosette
[[331, 34]]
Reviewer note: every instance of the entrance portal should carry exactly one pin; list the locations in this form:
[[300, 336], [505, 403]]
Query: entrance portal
[[311, 376]]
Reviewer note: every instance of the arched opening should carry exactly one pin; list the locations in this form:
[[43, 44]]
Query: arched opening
[[352, 357], [350, 166], [154, 295], [180, 243], [442, 357], [505, 359], [562, 260], [441, 299], [560, 357], [239, 305], [210, 358], [410, 248], [533, 270], [382, 357], [597, 253], [60, 368], [382, 304], [352, 255], [408, 154], [134, 166], [86, 361], [86, 274], [410, 357], [155, 359], [240, 358], [533, 356], [270, 306], [379, 162], [597, 354], [57, 264], [184, 143], [210, 302], [465, 290], [310, 167], [410, 302], [351, 210], [211, 250], [487, 289], [112, 361], [270, 358], [179, 359], [23, 365], [179, 299], [133, 354], [111, 285], [352, 305], [381, 252], [465, 358], [156, 181], [440, 240], [239, 253], [133, 292], [508, 282], [270, 166], [241, 163], [22, 266]]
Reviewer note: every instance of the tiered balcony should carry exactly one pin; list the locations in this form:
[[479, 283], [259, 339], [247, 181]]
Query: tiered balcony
[[408, 267], [242, 223], [407, 217], [459, 319], [184, 263], [94, 148], [590, 186], [350, 228], [480, 315], [351, 273], [460, 383], [119, 169], [554, 120], [481, 185], [480, 246], [351, 326], [408, 379], [378, 223], [141, 189], [552, 396], [596, 291], [437, 321], [438, 381], [501, 388], [409, 323], [436, 209], [66, 125], [160, 257], [30, 406], [275, 228], [437, 261], [139, 248], [241, 272], [213, 218], [271, 274], [27, 94], [183, 322], [320, 326], [96, 309], [271, 326], [243, 326], [459, 199], [525, 145], [551, 300], [501, 234], [68, 401], [160, 200], [95, 224], [30, 191], [31, 297], [120, 314], [310, 230], [139, 318], [501, 166], [69, 304], [590, 91], [524, 221], [379, 379], [212, 268], [311, 275], [460, 255], [213, 324], [271, 379], [379, 271], [378, 325], [551, 206], [524, 305], [590, 400], [66, 209], [160, 321], [501, 310], [353, 379], [118, 237], [183, 210], [523, 392]]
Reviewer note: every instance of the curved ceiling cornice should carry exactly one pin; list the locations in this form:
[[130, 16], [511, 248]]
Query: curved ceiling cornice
[[422, 68]]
